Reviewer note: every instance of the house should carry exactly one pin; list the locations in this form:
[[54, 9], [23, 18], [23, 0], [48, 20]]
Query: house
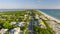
[[15, 31], [3, 31], [43, 17], [20, 23], [12, 23], [25, 16], [37, 16]]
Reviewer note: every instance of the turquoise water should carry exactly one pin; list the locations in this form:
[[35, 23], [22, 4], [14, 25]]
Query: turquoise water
[[52, 12]]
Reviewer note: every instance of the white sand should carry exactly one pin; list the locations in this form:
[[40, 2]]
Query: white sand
[[49, 17]]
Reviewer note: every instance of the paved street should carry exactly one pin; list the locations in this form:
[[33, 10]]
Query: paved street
[[32, 21]]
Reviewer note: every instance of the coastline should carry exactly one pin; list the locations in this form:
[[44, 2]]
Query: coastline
[[49, 17]]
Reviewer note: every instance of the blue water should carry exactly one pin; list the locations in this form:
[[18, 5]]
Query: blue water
[[52, 12]]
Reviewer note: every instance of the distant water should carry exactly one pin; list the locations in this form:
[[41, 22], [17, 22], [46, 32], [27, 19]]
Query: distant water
[[52, 12]]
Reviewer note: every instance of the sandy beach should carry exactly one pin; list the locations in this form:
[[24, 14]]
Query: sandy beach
[[49, 17]]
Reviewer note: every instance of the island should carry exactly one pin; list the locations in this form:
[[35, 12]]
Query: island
[[27, 22]]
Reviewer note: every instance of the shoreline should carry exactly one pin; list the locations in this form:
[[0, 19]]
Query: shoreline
[[49, 17]]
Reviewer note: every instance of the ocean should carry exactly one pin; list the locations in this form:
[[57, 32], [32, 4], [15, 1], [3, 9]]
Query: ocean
[[52, 12]]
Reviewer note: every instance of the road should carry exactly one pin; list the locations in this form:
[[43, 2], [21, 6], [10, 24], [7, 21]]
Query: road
[[30, 26], [32, 21]]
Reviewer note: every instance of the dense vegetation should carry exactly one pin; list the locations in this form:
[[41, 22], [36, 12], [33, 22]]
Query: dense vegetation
[[19, 16]]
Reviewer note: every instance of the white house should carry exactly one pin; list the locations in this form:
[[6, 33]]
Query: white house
[[37, 16], [25, 16], [15, 31], [12, 23], [2, 31], [20, 23]]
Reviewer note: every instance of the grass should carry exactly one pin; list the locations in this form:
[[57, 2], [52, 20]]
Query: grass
[[26, 31], [42, 23]]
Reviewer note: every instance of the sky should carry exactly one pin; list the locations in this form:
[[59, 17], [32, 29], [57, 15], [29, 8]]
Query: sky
[[29, 4]]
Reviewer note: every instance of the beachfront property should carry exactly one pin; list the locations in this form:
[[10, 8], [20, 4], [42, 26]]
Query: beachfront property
[[25, 22]]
